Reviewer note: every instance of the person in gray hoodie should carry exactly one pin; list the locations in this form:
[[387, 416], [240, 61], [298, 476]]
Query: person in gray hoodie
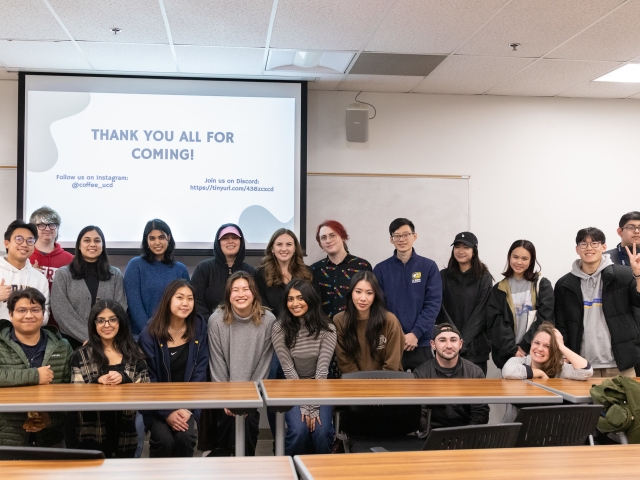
[[594, 307], [240, 350]]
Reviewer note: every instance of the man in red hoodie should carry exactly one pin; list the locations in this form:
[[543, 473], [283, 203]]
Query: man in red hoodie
[[48, 256]]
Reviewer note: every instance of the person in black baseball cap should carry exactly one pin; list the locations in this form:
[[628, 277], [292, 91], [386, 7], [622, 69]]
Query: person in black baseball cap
[[466, 285]]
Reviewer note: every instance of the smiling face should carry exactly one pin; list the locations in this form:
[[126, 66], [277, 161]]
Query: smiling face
[[91, 246], [330, 242], [47, 232], [27, 317], [447, 345], [630, 234], [363, 297], [462, 253], [182, 303], [540, 348], [403, 239], [519, 260], [284, 248], [230, 245], [19, 253], [590, 255], [296, 304], [107, 324], [241, 298], [158, 243]]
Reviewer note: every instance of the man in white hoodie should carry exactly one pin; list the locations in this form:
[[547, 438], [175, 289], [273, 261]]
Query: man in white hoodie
[[594, 307], [16, 273]]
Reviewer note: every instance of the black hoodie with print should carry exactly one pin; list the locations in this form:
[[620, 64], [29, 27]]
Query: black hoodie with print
[[210, 276]]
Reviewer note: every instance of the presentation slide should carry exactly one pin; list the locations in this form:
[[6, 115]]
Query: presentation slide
[[116, 157]]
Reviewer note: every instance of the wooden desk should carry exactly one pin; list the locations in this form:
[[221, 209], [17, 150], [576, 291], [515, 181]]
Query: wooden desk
[[275, 468], [583, 463], [571, 390], [433, 391], [139, 396]]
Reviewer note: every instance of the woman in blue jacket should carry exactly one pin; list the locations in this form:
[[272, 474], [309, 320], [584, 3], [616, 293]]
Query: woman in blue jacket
[[176, 345]]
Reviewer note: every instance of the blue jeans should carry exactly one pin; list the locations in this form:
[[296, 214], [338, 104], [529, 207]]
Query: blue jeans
[[298, 440]]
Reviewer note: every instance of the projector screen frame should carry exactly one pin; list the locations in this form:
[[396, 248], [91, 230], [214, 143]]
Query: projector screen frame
[[20, 201]]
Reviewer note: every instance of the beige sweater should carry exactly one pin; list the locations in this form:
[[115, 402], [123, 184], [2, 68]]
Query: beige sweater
[[388, 355]]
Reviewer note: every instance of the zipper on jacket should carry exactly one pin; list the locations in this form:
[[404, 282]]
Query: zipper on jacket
[[195, 362], [165, 363]]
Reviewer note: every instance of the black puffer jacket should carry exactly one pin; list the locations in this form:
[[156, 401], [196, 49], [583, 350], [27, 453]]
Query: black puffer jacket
[[619, 296], [210, 276], [501, 323]]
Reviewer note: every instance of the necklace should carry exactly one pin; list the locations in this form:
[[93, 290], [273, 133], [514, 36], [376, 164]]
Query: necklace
[[172, 331]]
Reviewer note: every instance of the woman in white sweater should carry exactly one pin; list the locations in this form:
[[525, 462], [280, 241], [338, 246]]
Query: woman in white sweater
[[240, 350], [548, 357]]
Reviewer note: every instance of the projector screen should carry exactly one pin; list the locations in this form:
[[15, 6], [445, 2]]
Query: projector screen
[[116, 152]]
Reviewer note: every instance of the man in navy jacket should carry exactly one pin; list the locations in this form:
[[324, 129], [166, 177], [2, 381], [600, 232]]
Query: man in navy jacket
[[413, 292]]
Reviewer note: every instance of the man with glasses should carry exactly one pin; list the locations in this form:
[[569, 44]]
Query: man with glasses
[[48, 256], [629, 232], [413, 292], [31, 355], [16, 273], [594, 307]]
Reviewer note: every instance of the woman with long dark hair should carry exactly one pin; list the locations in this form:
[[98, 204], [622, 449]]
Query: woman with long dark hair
[[147, 276], [466, 285], [110, 357], [369, 336], [176, 345], [518, 304], [304, 341], [549, 357], [77, 286], [240, 350]]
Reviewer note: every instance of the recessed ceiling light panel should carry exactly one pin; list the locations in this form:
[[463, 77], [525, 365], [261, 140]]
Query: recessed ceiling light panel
[[629, 73], [309, 61]]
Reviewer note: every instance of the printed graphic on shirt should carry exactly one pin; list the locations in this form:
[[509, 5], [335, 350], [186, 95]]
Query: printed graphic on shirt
[[48, 272], [595, 302], [522, 303], [382, 342], [416, 277], [333, 281]]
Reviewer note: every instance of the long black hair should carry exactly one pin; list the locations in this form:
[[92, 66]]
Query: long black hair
[[315, 320], [78, 266], [123, 341], [478, 269], [529, 274], [147, 254], [158, 325], [375, 323]]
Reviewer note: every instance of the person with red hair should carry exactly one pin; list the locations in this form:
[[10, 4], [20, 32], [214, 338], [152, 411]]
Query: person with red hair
[[332, 275]]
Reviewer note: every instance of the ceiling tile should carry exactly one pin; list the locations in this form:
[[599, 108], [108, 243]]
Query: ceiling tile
[[379, 83], [603, 90], [128, 57], [430, 26], [28, 19], [550, 77], [220, 60], [464, 75], [140, 20], [325, 25], [42, 55], [325, 82], [222, 23], [616, 37], [537, 25]]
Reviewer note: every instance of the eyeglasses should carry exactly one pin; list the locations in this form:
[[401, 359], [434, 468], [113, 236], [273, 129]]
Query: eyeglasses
[[19, 239], [44, 226], [111, 321], [330, 237], [23, 311], [631, 228], [403, 236], [584, 245]]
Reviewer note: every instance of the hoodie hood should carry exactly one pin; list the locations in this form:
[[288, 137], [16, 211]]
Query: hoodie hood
[[57, 251], [594, 278], [19, 279], [217, 250]]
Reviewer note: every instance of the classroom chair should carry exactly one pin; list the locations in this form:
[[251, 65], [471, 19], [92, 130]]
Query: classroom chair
[[41, 453], [558, 425]]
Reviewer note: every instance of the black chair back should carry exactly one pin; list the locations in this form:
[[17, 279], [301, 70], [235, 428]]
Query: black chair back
[[561, 425], [472, 437], [41, 453]]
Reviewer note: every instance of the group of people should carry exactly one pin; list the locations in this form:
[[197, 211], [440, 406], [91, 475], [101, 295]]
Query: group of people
[[232, 322]]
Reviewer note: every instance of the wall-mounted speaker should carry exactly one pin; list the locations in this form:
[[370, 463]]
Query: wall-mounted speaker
[[357, 123]]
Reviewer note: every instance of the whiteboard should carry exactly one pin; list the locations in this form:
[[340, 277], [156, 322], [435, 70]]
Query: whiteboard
[[367, 204], [8, 195]]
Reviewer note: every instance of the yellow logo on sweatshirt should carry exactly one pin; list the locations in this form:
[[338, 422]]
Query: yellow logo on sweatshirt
[[416, 277]]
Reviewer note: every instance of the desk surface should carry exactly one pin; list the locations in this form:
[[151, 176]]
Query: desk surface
[[571, 390], [431, 391], [275, 468], [583, 462], [151, 396]]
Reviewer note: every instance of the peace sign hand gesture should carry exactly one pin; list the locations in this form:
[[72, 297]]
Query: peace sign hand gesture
[[634, 260]]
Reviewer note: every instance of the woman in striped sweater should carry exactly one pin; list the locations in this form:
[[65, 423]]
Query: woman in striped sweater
[[304, 341]]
